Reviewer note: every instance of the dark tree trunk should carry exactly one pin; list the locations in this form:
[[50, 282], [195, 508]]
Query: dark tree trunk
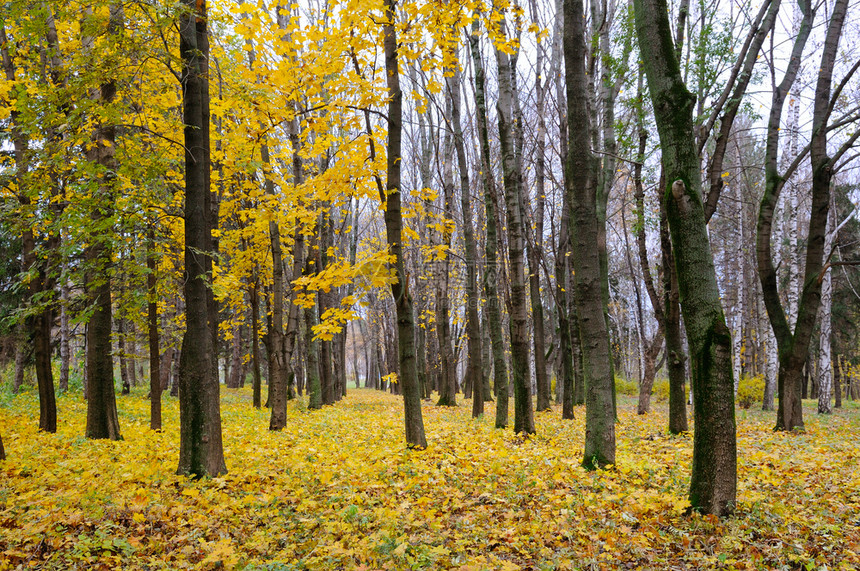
[[155, 382], [837, 381], [491, 272], [523, 411], [39, 324], [312, 366], [794, 345], [102, 420], [391, 198], [201, 452], [123, 362], [581, 182], [713, 485], [474, 375], [254, 297]]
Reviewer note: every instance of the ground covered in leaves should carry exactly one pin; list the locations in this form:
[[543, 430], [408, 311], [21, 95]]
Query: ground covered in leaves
[[337, 490]]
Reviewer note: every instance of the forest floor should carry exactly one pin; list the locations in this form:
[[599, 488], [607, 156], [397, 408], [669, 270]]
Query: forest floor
[[338, 490]]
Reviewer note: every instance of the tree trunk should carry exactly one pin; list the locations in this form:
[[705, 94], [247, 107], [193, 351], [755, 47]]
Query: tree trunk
[[65, 335], [40, 323], [794, 345], [523, 412], [200, 452], [491, 271], [314, 385], [155, 382], [713, 485], [391, 198], [581, 187], [102, 420], [837, 382], [474, 376], [254, 298]]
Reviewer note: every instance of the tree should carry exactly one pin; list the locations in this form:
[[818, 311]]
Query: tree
[[491, 247], [102, 420], [581, 187], [391, 198], [793, 343], [201, 452], [514, 207], [713, 485]]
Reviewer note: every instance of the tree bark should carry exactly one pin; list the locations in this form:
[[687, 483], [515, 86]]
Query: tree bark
[[491, 271], [40, 323], [102, 420], [474, 366], [254, 298], [200, 452], [581, 187], [520, 370], [793, 344], [713, 485], [155, 383], [391, 198]]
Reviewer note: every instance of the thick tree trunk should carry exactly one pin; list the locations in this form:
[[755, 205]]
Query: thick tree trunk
[[520, 369], [713, 485], [491, 271], [391, 198], [581, 187], [200, 452], [102, 420]]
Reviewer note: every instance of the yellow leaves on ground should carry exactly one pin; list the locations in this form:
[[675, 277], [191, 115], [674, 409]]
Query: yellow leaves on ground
[[336, 489]]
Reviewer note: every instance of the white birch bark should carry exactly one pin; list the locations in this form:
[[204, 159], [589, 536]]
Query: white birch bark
[[825, 371]]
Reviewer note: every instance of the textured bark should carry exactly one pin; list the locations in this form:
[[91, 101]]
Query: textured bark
[[391, 197], [793, 343], [676, 356], [277, 348], [155, 383], [581, 187], [713, 486], [474, 367], [523, 412], [200, 451], [825, 355], [102, 420], [491, 272]]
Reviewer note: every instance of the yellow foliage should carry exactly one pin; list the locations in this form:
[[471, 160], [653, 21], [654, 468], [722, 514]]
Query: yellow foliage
[[337, 489], [750, 391]]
